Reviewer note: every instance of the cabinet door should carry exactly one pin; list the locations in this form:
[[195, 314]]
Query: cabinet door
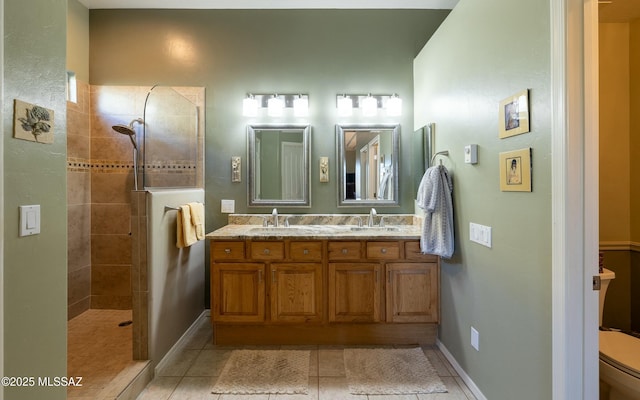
[[237, 292], [412, 292], [296, 292], [354, 292]]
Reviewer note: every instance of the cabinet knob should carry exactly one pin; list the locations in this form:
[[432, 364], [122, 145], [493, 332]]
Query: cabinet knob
[[383, 250], [266, 251], [227, 251], [305, 251], [345, 251]]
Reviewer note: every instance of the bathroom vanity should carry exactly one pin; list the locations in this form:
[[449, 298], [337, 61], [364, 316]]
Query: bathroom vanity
[[322, 284]]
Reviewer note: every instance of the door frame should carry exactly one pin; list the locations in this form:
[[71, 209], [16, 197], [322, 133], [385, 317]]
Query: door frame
[[2, 125], [574, 148]]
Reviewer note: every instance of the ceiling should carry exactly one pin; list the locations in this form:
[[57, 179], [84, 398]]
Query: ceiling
[[270, 4], [618, 10]]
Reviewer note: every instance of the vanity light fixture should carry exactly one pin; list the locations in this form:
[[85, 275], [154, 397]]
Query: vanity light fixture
[[275, 104], [250, 106], [369, 104], [394, 106], [345, 105], [301, 106]]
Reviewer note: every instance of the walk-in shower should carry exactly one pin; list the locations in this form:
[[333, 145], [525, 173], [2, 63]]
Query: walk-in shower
[[129, 131]]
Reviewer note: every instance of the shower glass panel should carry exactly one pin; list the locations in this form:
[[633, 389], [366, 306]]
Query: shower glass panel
[[170, 150]]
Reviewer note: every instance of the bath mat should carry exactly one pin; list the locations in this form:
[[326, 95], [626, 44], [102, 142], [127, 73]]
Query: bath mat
[[265, 371], [390, 371]]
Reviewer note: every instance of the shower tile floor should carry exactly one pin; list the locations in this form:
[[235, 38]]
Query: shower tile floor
[[97, 350], [194, 368]]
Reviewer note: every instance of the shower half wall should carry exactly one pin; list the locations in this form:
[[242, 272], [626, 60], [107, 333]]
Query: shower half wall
[[100, 182]]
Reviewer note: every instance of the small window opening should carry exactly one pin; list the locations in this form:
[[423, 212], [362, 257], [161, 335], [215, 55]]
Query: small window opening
[[72, 89]]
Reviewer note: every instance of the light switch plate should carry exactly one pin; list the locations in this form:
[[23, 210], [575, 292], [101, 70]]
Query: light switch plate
[[480, 234], [228, 206], [29, 220], [475, 339]]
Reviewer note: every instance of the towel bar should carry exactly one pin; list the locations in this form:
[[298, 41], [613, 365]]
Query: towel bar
[[443, 153], [169, 208]]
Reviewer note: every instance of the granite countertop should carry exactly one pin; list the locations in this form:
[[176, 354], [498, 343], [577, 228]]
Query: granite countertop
[[242, 231]]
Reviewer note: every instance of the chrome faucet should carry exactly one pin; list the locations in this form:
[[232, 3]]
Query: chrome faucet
[[372, 215], [359, 219], [274, 214]]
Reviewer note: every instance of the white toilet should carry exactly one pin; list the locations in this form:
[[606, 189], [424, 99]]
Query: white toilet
[[619, 357]]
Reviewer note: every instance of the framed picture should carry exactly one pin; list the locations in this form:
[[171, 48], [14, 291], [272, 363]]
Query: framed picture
[[515, 170], [514, 115]]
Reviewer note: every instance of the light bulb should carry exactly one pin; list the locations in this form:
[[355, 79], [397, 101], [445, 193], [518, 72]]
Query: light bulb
[[345, 106], [369, 106], [250, 106], [301, 106], [394, 106], [275, 106]]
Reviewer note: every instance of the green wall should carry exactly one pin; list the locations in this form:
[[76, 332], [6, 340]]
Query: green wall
[[78, 40], [35, 267], [233, 52], [484, 52]]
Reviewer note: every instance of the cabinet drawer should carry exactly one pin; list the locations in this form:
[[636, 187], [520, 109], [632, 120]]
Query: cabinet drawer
[[383, 250], [344, 250], [412, 252], [227, 250], [267, 250], [306, 251]]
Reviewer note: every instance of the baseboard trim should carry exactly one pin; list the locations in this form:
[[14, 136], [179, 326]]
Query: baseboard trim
[[180, 343], [466, 378]]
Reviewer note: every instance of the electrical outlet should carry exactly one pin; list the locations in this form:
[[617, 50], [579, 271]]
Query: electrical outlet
[[475, 339]]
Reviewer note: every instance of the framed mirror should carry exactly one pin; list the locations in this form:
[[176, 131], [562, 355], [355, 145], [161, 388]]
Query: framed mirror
[[421, 149], [279, 165], [368, 164]]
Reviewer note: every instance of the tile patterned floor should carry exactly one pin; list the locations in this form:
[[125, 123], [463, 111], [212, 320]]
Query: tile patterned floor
[[194, 369], [97, 350]]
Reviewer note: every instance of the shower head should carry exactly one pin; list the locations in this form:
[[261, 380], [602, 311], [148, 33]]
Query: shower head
[[128, 130]]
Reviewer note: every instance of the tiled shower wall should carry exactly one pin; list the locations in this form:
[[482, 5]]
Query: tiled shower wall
[[79, 202], [100, 181], [111, 185]]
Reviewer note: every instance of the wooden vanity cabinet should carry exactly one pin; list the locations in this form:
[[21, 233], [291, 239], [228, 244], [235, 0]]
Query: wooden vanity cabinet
[[412, 292], [297, 291], [295, 282], [354, 292], [239, 292]]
